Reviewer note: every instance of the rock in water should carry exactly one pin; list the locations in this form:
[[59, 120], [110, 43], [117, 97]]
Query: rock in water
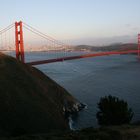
[[30, 102]]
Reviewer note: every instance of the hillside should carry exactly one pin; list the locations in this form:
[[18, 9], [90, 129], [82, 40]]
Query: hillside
[[30, 102], [112, 47], [124, 132]]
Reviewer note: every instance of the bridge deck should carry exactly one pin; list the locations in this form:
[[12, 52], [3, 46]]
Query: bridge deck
[[81, 56]]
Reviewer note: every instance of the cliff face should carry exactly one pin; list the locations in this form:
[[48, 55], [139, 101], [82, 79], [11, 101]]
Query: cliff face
[[30, 102]]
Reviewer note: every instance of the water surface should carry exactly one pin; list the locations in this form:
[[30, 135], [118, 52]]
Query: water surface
[[91, 78]]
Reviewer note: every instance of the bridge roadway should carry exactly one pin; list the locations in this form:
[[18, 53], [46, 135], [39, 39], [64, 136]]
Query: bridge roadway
[[81, 56]]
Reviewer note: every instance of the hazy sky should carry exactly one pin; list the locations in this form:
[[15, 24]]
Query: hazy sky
[[96, 21]]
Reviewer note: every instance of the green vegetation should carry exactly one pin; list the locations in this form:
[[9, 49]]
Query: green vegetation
[[113, 111]]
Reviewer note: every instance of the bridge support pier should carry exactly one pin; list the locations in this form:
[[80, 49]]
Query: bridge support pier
[[19, 41]]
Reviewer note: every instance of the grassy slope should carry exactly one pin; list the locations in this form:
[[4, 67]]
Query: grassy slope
[[125, 132], [30, 102]]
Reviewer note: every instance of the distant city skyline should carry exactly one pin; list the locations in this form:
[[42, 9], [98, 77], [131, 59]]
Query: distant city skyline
[[91, 22]]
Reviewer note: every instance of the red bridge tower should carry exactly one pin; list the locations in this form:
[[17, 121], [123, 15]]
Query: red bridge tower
[[19, 41], [139, 45]]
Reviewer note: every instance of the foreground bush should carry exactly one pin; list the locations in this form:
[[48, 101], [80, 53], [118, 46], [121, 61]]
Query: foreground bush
[[113, 111]]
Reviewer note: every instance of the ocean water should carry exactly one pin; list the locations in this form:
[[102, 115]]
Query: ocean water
[[91, 78]]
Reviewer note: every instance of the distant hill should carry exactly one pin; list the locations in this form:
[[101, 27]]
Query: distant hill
[[30, 102], [113, 47]]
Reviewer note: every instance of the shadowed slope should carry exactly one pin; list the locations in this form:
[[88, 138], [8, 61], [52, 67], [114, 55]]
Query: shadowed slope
[[30, 102]]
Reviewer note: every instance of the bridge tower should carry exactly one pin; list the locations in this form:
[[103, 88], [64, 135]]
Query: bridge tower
[[19, 41], [139, 45]]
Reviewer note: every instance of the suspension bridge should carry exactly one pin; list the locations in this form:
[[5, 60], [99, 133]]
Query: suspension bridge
[[13, 39]]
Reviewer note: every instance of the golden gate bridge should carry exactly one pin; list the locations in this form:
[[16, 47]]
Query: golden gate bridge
[[52, 45]]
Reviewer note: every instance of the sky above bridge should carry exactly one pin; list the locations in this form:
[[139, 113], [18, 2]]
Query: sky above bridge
[[77, 21]]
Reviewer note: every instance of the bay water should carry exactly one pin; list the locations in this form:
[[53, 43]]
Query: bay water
[[91, 78]]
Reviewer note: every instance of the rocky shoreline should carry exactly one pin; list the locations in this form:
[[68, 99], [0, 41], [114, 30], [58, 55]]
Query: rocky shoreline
[[70, 112]]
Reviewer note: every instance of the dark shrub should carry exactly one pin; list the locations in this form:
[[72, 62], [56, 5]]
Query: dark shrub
[[113, 111]]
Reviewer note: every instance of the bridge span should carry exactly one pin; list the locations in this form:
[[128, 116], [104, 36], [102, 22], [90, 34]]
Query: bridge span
[[55, 46], [81, 56]]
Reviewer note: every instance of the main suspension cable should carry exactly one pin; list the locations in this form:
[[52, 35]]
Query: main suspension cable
[[6, 29], [43, 35]]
